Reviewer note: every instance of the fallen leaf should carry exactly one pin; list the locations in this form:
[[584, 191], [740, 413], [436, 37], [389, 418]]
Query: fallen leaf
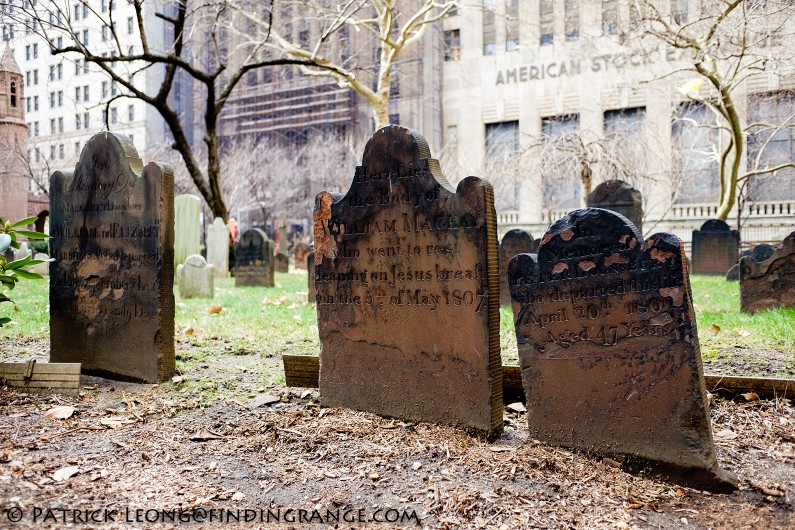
[[293, 306], [263, 399], [501, 448], [59, 413], [189, 330], [177, 379], [715, 328], [238, 496], [215, 309], [65, 473], [726, 434], [205, 435], [750, 396], [416, 465], [117, 422], [516, 407]]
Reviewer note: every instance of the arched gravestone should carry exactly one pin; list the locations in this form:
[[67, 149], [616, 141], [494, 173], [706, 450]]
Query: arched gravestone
[[281, 262], [407, 283], [618, 196], [714, 248], [187, 230], [609, 349], [218, 247], [111, 284], [770, 283], [195, 278], [254, 259], [515, 241]]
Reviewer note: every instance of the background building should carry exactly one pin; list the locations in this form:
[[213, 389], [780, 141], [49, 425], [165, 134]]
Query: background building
[[13, 140]]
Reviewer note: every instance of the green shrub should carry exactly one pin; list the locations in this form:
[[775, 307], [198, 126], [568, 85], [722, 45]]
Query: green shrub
[[10, 273]]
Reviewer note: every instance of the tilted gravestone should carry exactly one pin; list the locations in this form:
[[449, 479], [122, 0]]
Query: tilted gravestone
[[609, 349], [195, 278], [111, 284], [310, 265], [218, 247], [771, 283], [515, 241], [254, 259], [715, 248], [618, 196], [301, 252], [282, 262], [759, 253], [187, 230], [407, 290]]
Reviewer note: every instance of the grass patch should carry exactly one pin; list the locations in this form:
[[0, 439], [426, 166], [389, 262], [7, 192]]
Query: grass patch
[[29, 311]]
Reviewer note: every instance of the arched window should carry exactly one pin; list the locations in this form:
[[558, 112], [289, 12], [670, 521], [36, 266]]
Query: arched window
[[13, 93]]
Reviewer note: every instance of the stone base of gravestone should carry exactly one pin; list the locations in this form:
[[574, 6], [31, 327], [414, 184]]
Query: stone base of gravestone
[[281, 262], [609, 348], [714, 248], [771, 283], [195, 278]]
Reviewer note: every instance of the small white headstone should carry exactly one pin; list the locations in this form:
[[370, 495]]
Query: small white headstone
[[195, 278], [218, 247]]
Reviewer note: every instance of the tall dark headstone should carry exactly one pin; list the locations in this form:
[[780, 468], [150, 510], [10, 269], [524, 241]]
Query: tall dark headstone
[[407, 283], [254, 263], [618, 196], [515, 241], [770, 283], [715, 248], [111, 284], [609, 348]]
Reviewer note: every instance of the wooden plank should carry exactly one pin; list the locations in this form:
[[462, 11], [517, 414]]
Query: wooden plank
[[303, 370], [63, 378]]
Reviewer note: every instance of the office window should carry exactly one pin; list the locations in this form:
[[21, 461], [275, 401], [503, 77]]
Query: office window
[[130, 26], [78, 121], [27, 78], [78, 11], [52, 100], [77, 148], [452, 45], [85, 93], [113, 88], [502, 139], [572, 19], [511, 25], [772, 145], [104, 89], [52, 72], [679, 11], [59, 42], [85, 120], [78, 69], [85, 37], [27, 52], [502, 147], [35, 50], [60, 125], [114, 115], [60, 151], [36, 76], [609, 17], [696, 152], [626, 146], [489, 27], [60, 98], [629, 120], [131, 113], [37, 152], [105, 33], [561, 170], [78, 92], [52, 152], [35, 128], [35, 103], [27, 105], [547, 21]]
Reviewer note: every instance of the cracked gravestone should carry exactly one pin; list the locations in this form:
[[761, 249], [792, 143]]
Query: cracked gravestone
[[515, 241], [111, 284], [218, 247], [187, 228], [618, 196], [195, 277], [407, 290], [770, 283], [609, 349], [715, 248], [254, 259]]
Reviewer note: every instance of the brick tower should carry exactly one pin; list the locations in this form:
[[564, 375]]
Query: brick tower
[[13, 140]]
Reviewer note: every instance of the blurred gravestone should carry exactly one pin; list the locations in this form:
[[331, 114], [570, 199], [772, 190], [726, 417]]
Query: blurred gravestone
[[715, 248], [762, 252], [407, 282], [310, 265], [42, 268], [254, 259], [618, 196], [301, 252], [111, 284], [22, 252], [195, 277], [187, 231], [218, 247], [282, 262], [770, 283], [515, 241], [609, 348]]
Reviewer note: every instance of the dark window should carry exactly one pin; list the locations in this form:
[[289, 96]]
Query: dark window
[[489, 27], [609, 17], [13, 94], [696, 140], [511, 25], [452, 45], [771, 143], [561, 167], [572, 19], [547, 21]]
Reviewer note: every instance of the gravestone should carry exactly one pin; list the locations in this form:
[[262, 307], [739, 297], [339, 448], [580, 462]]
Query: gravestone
[[715, 248], [515, 241], [282, 244], [407, 290], [111, 284], [41, 268], [618, 196], [609, 349], [771, 283], [762, 252], [22, 252], [195, 277], [301, 252], [218, 247], [187, 230], [733, 274], [310, 265], [281, 262], [254, 259]]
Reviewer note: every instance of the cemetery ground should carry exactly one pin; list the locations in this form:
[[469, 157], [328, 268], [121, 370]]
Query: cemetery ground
[[226, 434]]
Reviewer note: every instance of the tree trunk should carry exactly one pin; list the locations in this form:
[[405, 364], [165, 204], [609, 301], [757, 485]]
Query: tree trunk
[[381, 111]]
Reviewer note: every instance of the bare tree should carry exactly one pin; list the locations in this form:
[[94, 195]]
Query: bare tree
[[725, 44], [194, 45]]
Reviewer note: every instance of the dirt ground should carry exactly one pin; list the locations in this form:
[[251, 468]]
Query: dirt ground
[[135, 455]]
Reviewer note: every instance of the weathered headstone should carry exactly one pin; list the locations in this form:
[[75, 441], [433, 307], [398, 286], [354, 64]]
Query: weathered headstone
[[281, 262], [609, 348], [301, 252], [111, 284], [771, 283], [515, 241], [762, 252], [733, 274], [42, 268], [195, 277], [715, 248], [310, 265], [187, 231], [254, 259], [22, 252], [407, 290], [618, 196], [218, 247]]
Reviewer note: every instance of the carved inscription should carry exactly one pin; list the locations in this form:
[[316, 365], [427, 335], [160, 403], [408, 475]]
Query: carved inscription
[[403, 279], [604, 312], [111, 281]]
